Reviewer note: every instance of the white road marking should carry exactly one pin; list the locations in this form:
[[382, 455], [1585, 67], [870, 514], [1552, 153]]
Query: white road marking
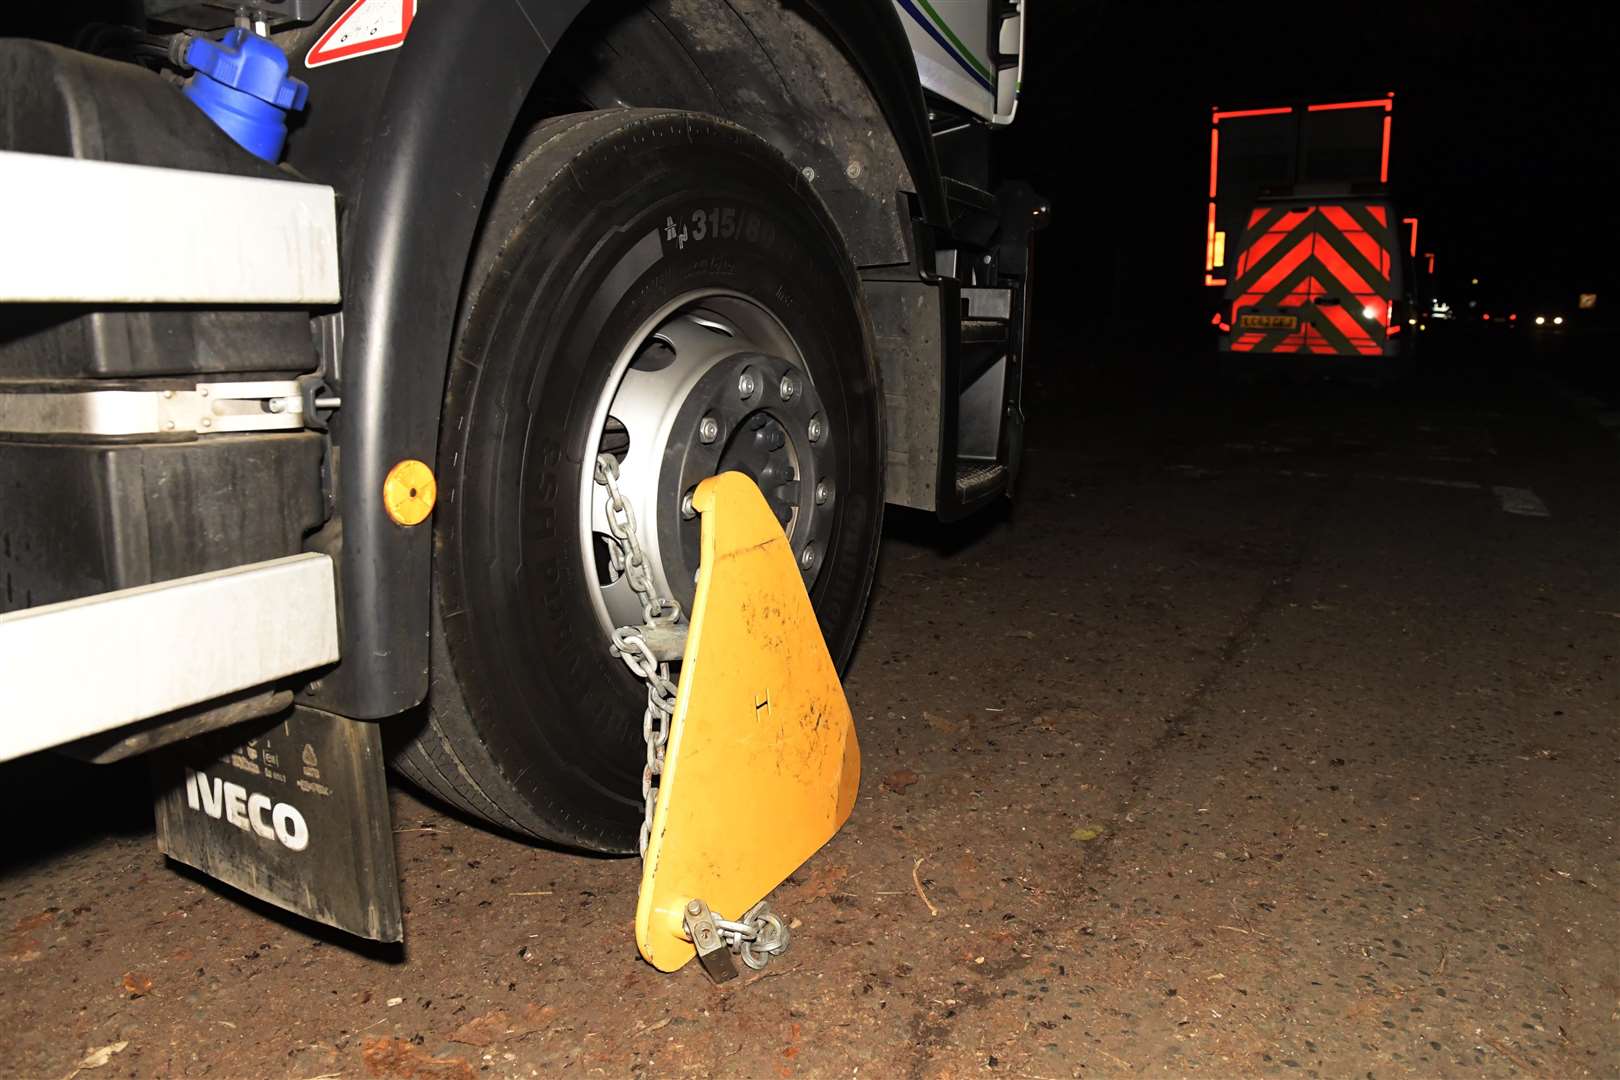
[[1514, 500], [1522, 501], [1429, 480]]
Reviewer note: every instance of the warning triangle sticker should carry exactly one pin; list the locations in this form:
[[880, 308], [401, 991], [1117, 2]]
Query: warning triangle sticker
[[369, 26]]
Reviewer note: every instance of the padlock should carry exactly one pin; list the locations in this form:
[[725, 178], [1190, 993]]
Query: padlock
[[712, 951]]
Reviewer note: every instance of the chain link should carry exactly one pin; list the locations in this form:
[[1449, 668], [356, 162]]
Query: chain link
[[758, 936]]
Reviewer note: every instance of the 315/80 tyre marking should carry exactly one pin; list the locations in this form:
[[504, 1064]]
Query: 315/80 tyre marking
[[722, 223]]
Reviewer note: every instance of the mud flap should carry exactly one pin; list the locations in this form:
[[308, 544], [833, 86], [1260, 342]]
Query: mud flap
[[296, 816]]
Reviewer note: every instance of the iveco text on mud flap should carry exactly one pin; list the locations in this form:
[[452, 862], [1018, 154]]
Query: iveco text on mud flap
[[297, 815], [221, 798]]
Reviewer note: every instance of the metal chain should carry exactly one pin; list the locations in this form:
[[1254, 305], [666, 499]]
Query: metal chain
[[628, 643], [760, 934]]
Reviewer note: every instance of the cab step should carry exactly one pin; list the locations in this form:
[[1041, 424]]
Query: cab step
[[951, 378], [979, 480], [984, 343]]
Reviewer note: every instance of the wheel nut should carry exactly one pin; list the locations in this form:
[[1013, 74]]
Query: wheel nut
[[815, 429], [807, 557], [823, 491], [787, 388], [688, 511], [747, 384], [708, 429]]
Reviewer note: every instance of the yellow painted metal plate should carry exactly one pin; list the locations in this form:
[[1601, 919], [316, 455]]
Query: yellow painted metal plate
[[762, 762]]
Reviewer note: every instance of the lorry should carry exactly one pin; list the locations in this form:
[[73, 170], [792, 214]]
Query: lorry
[[1302, 239], [327, 324]]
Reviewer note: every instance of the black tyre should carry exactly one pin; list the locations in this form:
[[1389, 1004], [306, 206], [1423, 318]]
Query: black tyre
[[608, 224]]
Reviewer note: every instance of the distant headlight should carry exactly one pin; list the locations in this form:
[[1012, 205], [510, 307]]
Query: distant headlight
[[1558, 320], [1541, 320]]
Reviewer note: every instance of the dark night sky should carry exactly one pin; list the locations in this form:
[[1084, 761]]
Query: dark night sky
[[1505, 139]]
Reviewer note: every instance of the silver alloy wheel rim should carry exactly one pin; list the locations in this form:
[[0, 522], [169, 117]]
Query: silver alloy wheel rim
[[712, 381]]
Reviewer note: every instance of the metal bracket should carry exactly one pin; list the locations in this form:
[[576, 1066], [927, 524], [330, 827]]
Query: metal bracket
[[666, 637], [210, 408]]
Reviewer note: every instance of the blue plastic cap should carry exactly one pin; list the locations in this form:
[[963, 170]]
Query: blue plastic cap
[[241, 82]]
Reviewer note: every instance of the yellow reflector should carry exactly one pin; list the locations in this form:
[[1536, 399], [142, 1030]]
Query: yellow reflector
[[409, 492], [762, 763], [1220, 247]]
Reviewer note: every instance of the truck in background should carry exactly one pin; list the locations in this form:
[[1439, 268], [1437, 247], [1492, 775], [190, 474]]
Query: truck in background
[[1303, 240]]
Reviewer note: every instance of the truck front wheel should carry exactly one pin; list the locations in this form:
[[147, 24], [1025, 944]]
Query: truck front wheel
[[663, 287]]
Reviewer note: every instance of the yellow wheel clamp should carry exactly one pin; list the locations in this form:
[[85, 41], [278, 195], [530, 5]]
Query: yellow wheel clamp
[[762, 764]]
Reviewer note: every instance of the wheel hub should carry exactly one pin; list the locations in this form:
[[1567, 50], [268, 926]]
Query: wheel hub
[[715, 385]]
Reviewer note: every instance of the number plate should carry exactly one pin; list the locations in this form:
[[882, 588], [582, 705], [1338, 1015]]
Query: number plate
[[1268, 322]]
